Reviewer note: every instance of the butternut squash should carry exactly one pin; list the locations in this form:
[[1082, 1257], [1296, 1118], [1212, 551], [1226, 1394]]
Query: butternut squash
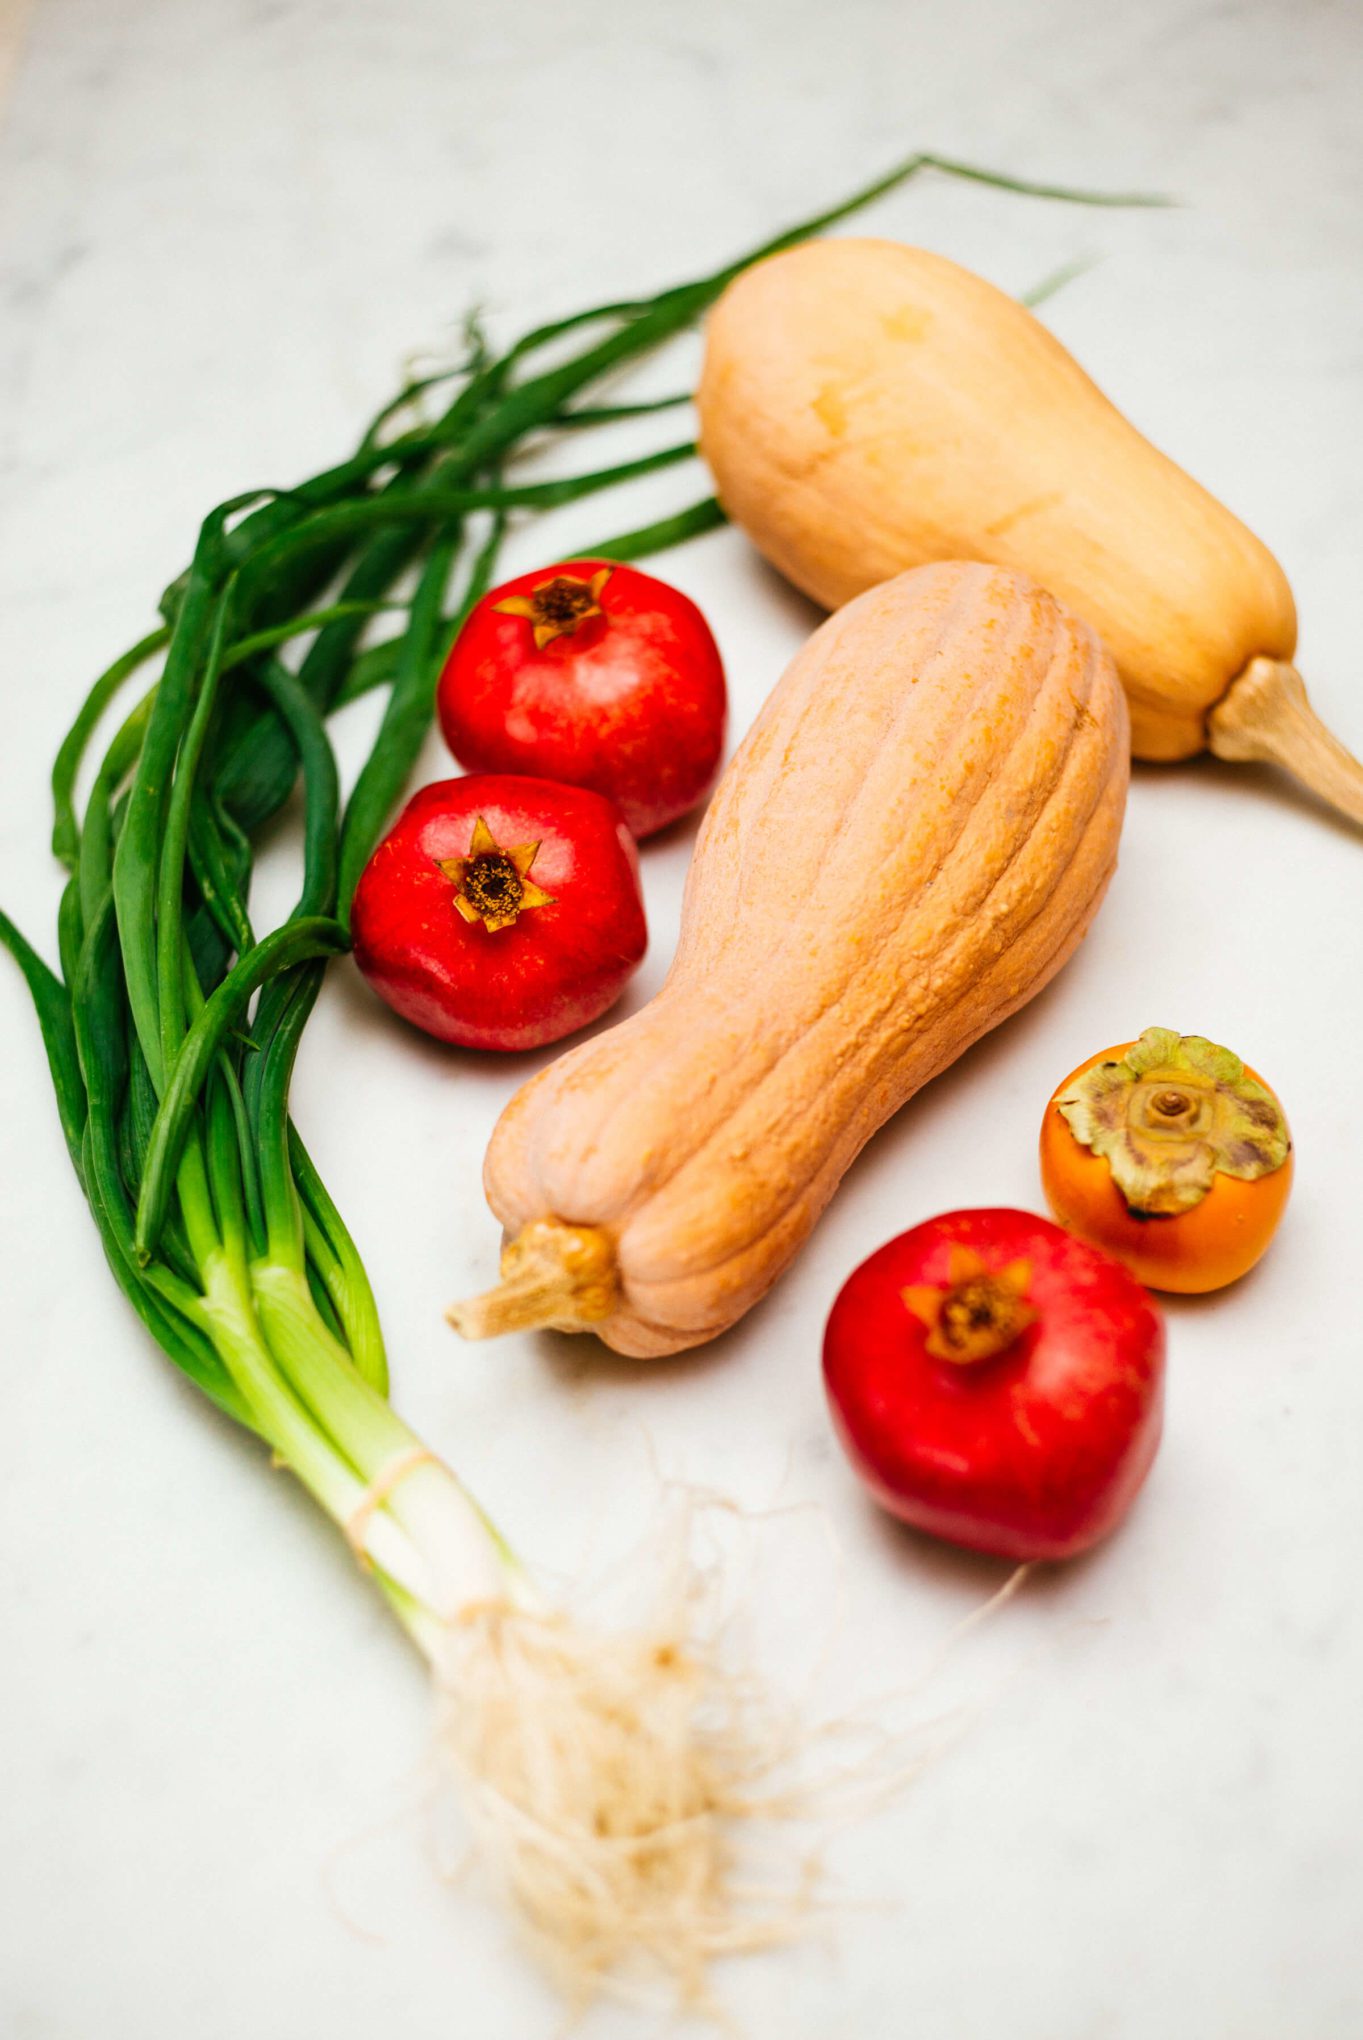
[[866, 407], [909, 843]]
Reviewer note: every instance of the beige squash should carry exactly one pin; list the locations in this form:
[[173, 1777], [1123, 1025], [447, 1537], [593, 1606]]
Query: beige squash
[[909, 843], [866, 407]]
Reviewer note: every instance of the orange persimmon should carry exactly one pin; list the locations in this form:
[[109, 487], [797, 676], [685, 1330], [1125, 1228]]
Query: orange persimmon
[[1171, 1154]]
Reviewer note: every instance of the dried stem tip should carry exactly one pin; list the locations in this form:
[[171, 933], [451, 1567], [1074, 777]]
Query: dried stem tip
[[553, 1275], [1265, 716]]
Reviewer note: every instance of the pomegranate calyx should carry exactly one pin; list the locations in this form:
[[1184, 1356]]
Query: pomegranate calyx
[[559, 606], [493, 885], [980, 1312]]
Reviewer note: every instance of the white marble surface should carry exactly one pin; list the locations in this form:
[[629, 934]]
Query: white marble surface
[[224, 224]]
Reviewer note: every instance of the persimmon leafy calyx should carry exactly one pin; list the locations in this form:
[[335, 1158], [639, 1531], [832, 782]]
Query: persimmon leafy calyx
[[1172, 1114], [980, 1312], [493, 885], [558, 607]]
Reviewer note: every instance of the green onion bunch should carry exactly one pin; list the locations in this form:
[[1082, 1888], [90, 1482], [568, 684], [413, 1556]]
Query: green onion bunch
[[172, 1025]]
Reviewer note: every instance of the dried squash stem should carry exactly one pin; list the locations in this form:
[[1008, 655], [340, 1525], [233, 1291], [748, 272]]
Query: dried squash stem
[[1265, 716], [553, 1275]]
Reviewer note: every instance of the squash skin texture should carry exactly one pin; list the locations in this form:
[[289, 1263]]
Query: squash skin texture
[[867, 406], [908, 845]]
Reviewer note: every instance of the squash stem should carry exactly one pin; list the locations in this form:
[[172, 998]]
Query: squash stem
[[1265, 716], [553, 1275]]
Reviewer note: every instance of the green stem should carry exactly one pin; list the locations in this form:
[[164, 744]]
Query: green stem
[[52, 1004], [247, 648], [405, 722], [296, 942], [170, 943], [1026, 187], [138, 853], [321, 785], [65, 829], [645, 539], [267, 1102], [443, 506], [247, 1162], [348, 1283]]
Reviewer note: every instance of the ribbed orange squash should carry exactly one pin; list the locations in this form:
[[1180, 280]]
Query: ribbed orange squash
[[910, 842], [866, 407]]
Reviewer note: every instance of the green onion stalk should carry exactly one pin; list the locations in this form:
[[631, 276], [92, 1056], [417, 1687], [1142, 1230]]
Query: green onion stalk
[[604, 1773]]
